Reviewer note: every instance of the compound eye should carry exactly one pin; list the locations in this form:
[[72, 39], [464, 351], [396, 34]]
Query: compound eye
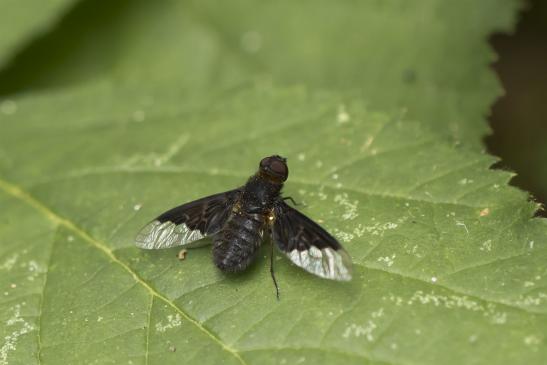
[[264, 162], [278, 167]]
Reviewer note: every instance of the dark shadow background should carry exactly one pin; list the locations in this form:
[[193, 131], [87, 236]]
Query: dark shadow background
[[519, 119]]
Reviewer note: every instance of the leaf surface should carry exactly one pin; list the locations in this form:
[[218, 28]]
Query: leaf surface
[[449, 265], [428, 59]]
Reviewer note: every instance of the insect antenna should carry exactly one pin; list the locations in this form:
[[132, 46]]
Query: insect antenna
[[272, 271]]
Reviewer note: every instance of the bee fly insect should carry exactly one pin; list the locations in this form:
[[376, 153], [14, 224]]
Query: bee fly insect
[[240, 220]]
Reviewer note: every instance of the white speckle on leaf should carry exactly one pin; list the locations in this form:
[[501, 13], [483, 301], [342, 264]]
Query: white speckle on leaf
[[318, 164], [395, 299], [528, 284], [350, 207], [379, 313], [343, 236], [13, 285], [137, 207], [378, 229], [465, 181], [453, 302], [8, 107], [301, 157], [473, 338], [335, 176], [462, 224], [342, 116], [34, 269], [499, 318], [388, 260], [356, 330], [531, 245], [10, 341], [484, 212], [9, 262], [99, 319], [359, 230], [320, 193], [433, 279], [70, 238], [139, 115], [486, 246], [251, 41], [172, 322], [532, 340], [414, 251], [393, 346], [531, 300], [33, 266]]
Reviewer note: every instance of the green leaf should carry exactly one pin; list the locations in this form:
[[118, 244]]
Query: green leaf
[[449, 264], [20, 23], [428, 58]]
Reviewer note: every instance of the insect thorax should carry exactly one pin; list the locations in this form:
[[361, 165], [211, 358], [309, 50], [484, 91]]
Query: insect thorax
[[259, 195]]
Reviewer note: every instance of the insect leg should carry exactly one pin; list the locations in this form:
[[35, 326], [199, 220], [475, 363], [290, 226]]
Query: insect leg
[[292, 201], [272, 271]]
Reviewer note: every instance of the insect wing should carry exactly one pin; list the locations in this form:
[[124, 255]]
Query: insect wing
[[188, 223], [308, 245]]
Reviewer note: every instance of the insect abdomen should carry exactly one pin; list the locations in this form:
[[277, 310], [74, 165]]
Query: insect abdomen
[[235, 247]]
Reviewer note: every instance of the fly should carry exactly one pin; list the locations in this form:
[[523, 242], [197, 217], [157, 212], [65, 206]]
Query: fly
[[240, 220]]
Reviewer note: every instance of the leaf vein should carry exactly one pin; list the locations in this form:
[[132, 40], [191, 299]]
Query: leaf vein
[[147, 334], [17, 192]]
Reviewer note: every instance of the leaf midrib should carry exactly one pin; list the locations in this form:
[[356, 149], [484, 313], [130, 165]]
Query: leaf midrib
[[22, 195]]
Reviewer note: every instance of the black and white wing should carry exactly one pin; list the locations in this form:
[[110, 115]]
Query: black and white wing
[[308, 245], [189, 222]]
